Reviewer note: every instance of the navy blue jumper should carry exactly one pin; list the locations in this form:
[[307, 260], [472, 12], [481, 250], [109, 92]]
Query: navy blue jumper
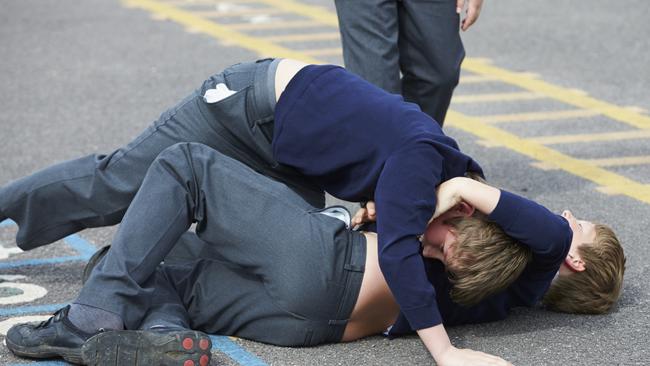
[[361, 143]]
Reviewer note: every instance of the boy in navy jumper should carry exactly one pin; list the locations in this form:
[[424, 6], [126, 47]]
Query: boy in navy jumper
[[209, 283], [330, 131]]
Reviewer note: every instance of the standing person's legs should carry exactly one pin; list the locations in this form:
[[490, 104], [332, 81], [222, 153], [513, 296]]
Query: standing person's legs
[[96, 190], [431, 53], [369, 37]]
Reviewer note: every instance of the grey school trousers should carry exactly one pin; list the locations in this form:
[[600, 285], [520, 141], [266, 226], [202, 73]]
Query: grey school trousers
[[96, 190], [420, 38], [278, 271]]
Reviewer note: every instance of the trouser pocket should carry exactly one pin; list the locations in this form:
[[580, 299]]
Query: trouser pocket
[[233, 113]]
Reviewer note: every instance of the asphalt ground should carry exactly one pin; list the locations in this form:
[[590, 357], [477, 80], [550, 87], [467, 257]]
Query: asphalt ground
[[561, 117]]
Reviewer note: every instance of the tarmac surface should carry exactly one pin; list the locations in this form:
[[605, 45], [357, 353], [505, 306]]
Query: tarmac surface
[[553, 103]]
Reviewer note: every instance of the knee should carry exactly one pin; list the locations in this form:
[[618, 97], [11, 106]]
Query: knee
[[181, 150], [449, 76], [180, 156]]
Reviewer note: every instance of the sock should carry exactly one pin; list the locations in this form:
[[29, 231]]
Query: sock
[[90, 319]]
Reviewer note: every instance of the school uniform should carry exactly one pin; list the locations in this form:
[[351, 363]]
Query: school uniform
[[330, 131], [408, 47]]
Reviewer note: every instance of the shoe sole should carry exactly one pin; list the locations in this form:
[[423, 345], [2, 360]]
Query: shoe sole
[[68, 354], [147, 348]]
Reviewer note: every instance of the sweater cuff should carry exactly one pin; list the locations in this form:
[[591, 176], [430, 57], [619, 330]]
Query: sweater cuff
[[423, 317], [505, 212]]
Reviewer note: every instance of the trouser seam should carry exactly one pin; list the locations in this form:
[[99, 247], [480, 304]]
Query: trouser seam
[[155, 129]]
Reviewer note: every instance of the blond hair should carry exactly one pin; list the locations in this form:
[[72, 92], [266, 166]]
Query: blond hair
[[596, 289], [485, 259]]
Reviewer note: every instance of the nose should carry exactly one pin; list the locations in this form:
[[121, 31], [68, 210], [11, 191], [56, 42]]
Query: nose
[[567, 214]]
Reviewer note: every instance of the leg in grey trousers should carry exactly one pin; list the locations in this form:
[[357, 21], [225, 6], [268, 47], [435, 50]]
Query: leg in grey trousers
[[96, 190], [419, 38], [263, 230]]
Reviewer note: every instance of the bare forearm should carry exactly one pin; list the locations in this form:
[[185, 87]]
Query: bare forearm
[[481, 196], [436, 340]]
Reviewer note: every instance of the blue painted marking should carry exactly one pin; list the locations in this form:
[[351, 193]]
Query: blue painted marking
[[83, 247], [235, 352], [42, 363], [79, 244], [34, 309], [40, 262]]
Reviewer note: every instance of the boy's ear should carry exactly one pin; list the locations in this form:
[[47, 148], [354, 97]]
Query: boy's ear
[[574, 262], [465, 209]]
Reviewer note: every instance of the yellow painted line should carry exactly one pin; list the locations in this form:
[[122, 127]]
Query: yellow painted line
[[474, 79], [206, 2], [328, 36], [320, 14], [620, 161], [283, 24], [538, 116], [603, 163], [577, 99], [591, 137], [334, 51], [495, 97], [613, 182], [237, 13], [218, 31]]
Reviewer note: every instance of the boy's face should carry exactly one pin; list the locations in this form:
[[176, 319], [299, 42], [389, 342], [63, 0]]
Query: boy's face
[[438, 238], [584, 232]]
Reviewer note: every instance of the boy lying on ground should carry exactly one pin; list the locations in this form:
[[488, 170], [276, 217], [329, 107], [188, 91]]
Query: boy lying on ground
[[270, 267]]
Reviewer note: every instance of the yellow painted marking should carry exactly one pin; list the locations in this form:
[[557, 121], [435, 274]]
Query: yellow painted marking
[[495, 97], [303, 37], [488, 143], [606, 190], [538, 116], [335, 51], [620, 161], [182, 3], [318, 13], [283, 24], [544, 165], [602, 177], [570, 97], [237, 13], [221, 32], [592, 137], [474, 79]]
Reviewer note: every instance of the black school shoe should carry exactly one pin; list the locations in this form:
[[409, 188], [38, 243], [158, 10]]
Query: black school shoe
[[156, 347], [55, 337]]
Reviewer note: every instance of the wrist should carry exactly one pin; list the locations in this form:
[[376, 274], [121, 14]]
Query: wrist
[[436, 340]]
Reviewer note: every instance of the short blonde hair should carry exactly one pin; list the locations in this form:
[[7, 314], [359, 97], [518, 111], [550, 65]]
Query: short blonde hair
[[596, 289], [485, 259]]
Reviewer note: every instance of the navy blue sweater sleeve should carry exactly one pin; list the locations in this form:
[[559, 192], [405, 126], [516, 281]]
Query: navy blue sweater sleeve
[[405, 199], [548, 235]]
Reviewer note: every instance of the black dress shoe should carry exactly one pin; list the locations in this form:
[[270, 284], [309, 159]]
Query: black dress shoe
[[55, 337], [156, 347]]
